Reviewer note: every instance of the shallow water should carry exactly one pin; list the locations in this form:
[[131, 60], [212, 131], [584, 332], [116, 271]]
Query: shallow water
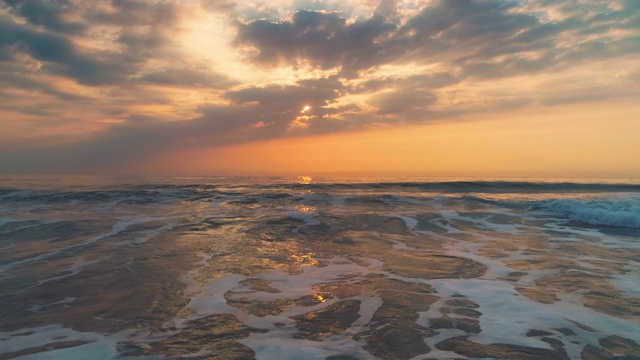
[[273, 268]]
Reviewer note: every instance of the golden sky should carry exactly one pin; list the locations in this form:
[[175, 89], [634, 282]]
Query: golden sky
[[422, 88]]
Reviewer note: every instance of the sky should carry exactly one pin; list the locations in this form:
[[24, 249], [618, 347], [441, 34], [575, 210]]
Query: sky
[[510, 88]]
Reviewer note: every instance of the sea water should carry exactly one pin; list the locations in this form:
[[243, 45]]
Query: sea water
[[286, 268]]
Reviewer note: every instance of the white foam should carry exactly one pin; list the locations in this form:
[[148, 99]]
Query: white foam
[[116, 229], [484, 222], [307, 214], [105, 208], [150, 234], [445, 214], [627, 283], [99, 346], [205, 257], [72, 270], [36, 308], [277, 343], [8, 247], [294, 286], [507, 316], [410, 222], [534, 274], [91, 351], [431, 342], [368, 306], [397, 245], [611, 241], [211, 299], [554, 225]]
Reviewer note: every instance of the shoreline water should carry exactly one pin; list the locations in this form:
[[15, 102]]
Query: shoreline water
[[300, 267]]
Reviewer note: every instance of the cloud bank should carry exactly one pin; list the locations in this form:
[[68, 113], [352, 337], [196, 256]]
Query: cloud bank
[[92, 85]]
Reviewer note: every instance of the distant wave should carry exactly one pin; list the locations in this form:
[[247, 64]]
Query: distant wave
[[242, 183], [478, 186], [150, 192], [609, 204]]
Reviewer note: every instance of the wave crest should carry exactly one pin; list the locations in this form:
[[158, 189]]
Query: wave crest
[[607, 212]]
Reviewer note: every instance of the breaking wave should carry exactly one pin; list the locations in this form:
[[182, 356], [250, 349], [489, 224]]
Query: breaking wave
[[607, 212]]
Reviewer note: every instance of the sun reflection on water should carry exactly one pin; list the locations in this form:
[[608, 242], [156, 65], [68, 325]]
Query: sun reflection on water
[[306, 259], [305, 209]]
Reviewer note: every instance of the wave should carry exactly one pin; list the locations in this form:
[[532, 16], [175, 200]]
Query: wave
[[474, 186], [601, 209], [244, 183], [607, 212], [610, 204]]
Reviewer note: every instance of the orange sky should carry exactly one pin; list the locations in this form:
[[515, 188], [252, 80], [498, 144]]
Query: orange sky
[[564, 142], [422, 88]]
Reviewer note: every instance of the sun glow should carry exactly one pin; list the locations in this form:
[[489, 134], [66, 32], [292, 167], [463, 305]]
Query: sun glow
[[305, 109]]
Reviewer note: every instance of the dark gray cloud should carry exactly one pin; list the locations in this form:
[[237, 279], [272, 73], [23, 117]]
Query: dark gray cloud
[[402, 101], [49, 14], [317, 92], [15, 76], [144, 30], [138, 13], [431, 81], [323, 39], [58, 53], [255, 113], [190, 78], [45, 40], [221, 6], [466, 33]]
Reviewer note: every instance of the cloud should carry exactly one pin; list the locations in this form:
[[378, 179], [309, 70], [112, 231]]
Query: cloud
[[316, 92], [466, 33], [576, 90], [190, 78], [328, 40], [433, 80], [57, 52], [253, 114], [48, 14], [151, 75], [402, 101], [325, 40], [131, 32], [11, 76]]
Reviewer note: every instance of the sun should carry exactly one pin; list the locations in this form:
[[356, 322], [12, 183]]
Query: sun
[[305, 109]]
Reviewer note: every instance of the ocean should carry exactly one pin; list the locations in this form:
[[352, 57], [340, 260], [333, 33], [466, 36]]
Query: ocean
[[302, 268]]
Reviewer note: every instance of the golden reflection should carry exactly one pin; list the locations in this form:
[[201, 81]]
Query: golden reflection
[[306, 108], [306, 179], [320, 297], [305, 259], [306, 209]]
